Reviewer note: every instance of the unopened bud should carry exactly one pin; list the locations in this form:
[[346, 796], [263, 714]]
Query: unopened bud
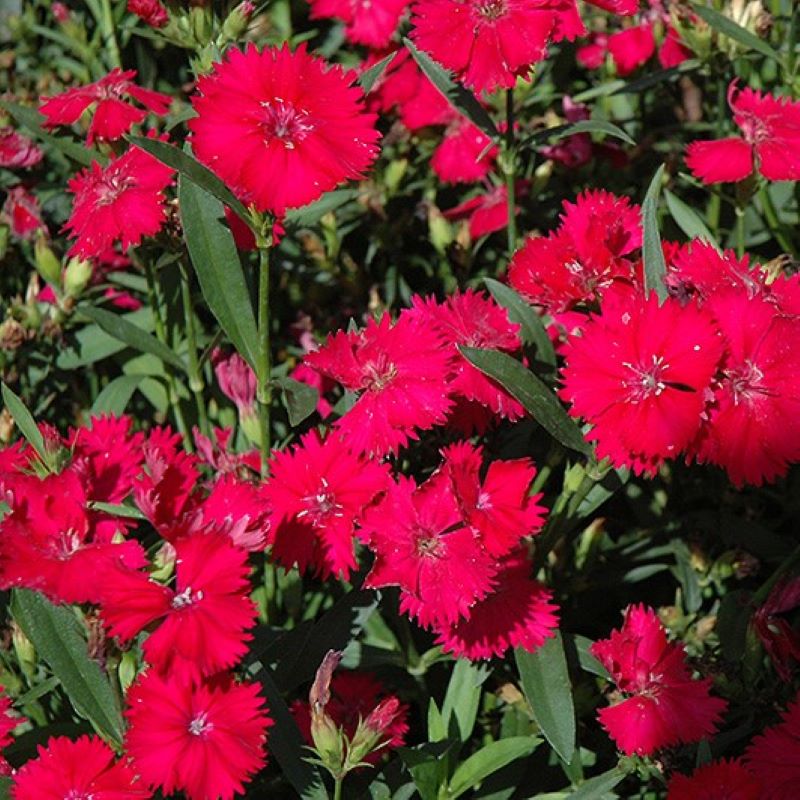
[[440, 231], [237, 21], [47, 264], [77, 276], [373, 733]]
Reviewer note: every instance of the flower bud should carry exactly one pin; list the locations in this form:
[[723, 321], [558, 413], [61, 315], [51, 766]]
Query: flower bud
[[77, 276], [47, 264], [373, 733], [237, 21]]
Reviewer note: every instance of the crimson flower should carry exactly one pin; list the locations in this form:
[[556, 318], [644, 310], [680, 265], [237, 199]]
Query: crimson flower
[[465, 154], [7, 724], [486, 212], [726, 779], [113, 116], [368, 22], [664, 705], [640, 375], [18, 151], [236, 507], [517, 613], [318, 491], [151, 12], [85, 767], [770, 141], [280, 127], [751, 430], [205, 739], [423, 545], [23, 214], [400, 371], [774, 756], [204, 619], [123, 201], [779, 639]]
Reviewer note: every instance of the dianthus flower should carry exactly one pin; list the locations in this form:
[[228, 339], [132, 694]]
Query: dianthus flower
[[465, 155], [751, 430], [151, 12], [401, 371], [353, 697], [318, 491], [49, 543], [237, 507], [518, 613], [726, 779], [7, 724], [204, 619], [590, 249], [85, 767], [23, 214], [423, 545], [770, 141], [205, 739], [113, 117], [779, 638], [774, 756], [123, 201], [472, 319], [640, 374], [18, 151], [498, 505], [486, 212], [368, 22], [280, 127], [664, 705]]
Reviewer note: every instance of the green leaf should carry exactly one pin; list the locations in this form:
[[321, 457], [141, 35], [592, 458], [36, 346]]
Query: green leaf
[[25, 422], [688, 220], [460, 98], [132, 335], [306, 216], [219, 271], [427, 766], [546, 683], [192, 169], [587, 661], [116, 395], [118, 510], [461, 702], [56, 634], [655, 268], [537, 398], [299, 398], [727, 27], [520, 311], [489, 760], [584, 126], [687, 577], [371, 76], [595, 788], [31, 119]]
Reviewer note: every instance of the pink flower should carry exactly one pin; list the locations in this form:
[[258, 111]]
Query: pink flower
[[473, 320], [237, 381], [85, 767], [204, 619], [719, 780], [780, 640], [236, 507], [7, 724], [640, 374], [401, 371], [487, 212], [18, 151], [665, 706], [632, 47], [280, 127], [23, 214], [751, 430], [113, 116], [774, 756], [465, 155], [423, 545], [318, 491], [123, 202], [517, 613], [205, 739], [151, 12], [770, 141], [368, 22]]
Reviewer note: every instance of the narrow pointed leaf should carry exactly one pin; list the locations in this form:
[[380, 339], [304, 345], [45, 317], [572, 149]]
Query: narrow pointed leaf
[[727, 27], [460, 98], [655, 268], [546, 683], [55, 632], [116, 395], [460, 707], [299, 398], [371, 76], [25, 422], [598, 787], [489, 760], [688, 220], [217, 265], [132, 335], [536, 397]]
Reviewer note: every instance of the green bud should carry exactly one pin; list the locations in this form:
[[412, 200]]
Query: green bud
[[250, 425], [237, 21], [127, 670], [77, 276], [394, 174], [47, 264], [440, 231]]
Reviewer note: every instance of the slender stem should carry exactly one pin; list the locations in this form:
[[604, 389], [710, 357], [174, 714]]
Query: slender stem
[[264, 367], [196, 383], [109, 34], [774, 223], [509, 169], [161, 335], [740, 211], [337, 787]]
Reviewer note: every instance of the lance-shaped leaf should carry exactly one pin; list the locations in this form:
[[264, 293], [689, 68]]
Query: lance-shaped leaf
[[299, 398], [25, 422], [583, 126], [369, 77], [732, 30], [655, 268], [536, 397], [688, 220], [489, 760]]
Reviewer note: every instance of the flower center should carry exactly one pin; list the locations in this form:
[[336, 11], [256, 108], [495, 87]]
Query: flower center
[[377, 376], [66, 544], [186, 599], [745, 381], [647, 379], [321, 505], [78, 794], [281, 120], [429, 545], [755, 129], [200, 726], [491, 9], [111, 187]]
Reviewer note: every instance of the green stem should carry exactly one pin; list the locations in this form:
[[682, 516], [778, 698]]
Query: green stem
[[161, 335], [109, 34], [337, 787], [740, 211], [196, 383], [264, 367], [775, 226], [509, 169]]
